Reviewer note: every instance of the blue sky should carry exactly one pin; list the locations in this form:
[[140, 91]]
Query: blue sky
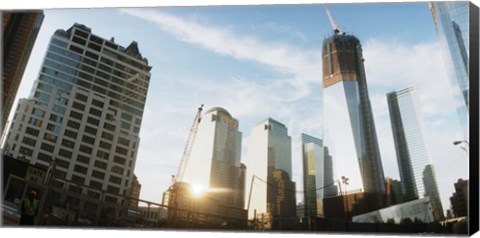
[[265, 61]]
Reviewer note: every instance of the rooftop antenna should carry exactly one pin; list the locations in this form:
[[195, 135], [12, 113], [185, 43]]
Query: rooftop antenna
[[335, 26]]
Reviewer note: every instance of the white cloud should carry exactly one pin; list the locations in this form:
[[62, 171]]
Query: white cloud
[[299, 64]]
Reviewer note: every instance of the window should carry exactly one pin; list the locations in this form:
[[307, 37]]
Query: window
[[81, 97], [112, 189], [44, 87], [50, 137], [78, 179], [34, 121], [119, 160], [78, 106], [100, 164], [115, 179], [126, 116], [107, 135], [102, 155], [38, 112], [25, 151], [105, 145], [91, 55], [83, 159], [53, 128], [47, 147], [97, 103], [98, 174], [76, 115], [125, 125], [58, 109], [71, 134], [67, 143], [32, 131], [95, 185], [73, 124], [123, 141], [80, 169], [99, 89], [95, 112], [29, 141], [90, 130], [85, 149], [62, 163], [56, 119], [121, 150], [42, 96], [76, 49], [65, 153], [88, 139], [117, 169], [94, 47], [109, 127], [93, 121], [44, 157]]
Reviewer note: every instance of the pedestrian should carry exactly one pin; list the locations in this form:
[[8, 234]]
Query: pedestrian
[[29, 209]]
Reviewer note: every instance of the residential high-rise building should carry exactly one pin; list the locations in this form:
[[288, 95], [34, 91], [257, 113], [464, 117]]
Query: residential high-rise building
[[349, 128], [269, 164], [214, 163], [83, 119], [318, 179], [19, 32], [451, 20], [416, 168]]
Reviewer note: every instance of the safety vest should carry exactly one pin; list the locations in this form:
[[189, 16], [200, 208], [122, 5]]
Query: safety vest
[[30, 208]]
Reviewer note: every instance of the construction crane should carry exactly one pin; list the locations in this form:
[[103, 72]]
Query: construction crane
[[188, 147], [335, 26]]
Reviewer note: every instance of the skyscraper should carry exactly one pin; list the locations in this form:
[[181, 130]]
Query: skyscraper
[[83, 118], [349, 126], [270, 162], [214, 163], [318, 179], [19, 32], [417, 174], [451, 20]]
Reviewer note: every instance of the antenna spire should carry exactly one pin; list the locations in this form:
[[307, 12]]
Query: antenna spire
[[335, 26]]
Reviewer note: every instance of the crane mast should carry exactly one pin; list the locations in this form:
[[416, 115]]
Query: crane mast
[[335, 26], [188, 147]]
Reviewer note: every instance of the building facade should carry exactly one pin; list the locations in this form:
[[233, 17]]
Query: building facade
[[417, 174], [214, 164], [271, 194], [349, 128], [451, 20], [19, 32], [459, 199], [135, 192], [318, 179], [83, 117]]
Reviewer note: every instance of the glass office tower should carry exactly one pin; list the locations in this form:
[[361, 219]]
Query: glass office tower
[[451, 21], [82, 119], [214, 164], [271, 191], [417, 174], [349, 126], [318, 181]]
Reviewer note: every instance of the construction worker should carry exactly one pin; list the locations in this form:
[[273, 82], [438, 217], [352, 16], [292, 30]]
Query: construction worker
[[29, 209]]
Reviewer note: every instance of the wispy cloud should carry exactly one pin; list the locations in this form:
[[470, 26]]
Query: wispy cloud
[[302, 66]]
